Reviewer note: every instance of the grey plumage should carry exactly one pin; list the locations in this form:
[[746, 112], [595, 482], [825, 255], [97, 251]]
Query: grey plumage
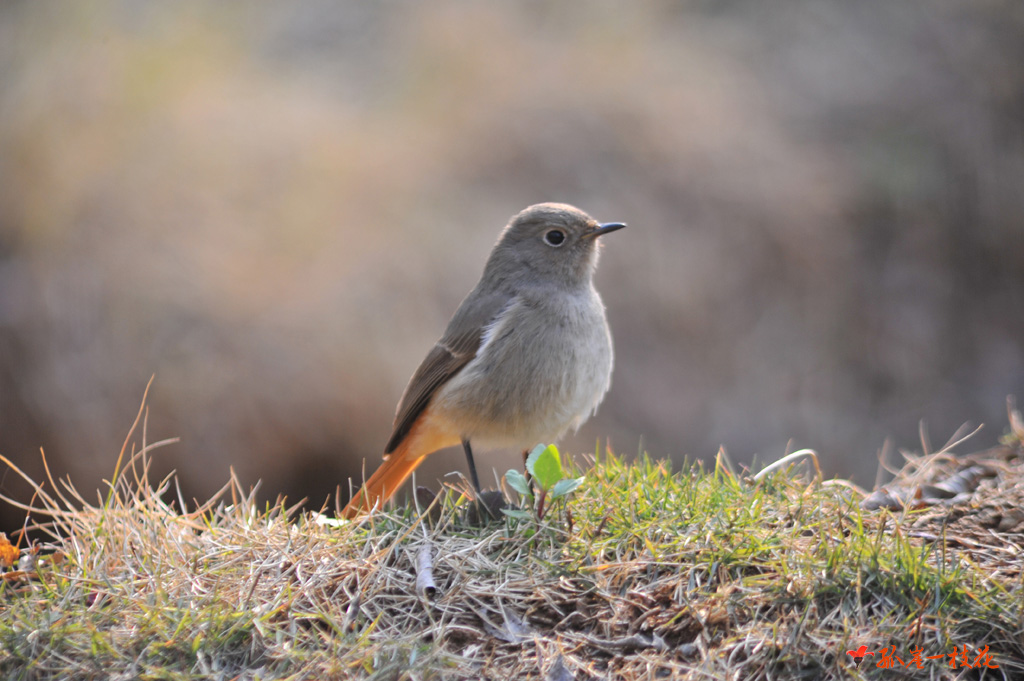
[[528, 353], [526, 357]]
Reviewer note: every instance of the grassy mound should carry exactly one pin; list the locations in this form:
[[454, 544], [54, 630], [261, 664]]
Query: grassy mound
[[641, 573]]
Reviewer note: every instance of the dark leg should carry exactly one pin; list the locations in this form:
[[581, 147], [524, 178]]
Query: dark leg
[[472, 466]]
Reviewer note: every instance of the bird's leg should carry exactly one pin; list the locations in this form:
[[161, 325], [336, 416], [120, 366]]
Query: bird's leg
[[472, 466], [487, 505]]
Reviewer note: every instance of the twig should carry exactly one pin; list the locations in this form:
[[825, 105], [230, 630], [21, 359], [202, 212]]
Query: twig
[[425, 572]]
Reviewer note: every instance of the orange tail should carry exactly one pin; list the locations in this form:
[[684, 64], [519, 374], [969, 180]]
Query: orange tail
[[383, 483], [426, 436]]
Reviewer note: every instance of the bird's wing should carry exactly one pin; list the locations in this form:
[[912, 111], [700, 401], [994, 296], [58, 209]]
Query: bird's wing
[[456, 348]]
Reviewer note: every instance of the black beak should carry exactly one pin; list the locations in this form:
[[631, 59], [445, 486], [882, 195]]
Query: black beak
[[606, 228]]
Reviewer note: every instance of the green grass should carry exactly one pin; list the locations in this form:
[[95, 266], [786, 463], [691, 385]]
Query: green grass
[[642, 573]]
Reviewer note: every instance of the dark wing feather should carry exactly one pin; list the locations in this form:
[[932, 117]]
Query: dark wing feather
[[456, 348]]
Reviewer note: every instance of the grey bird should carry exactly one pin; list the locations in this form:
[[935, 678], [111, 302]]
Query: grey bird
[[526, 357]]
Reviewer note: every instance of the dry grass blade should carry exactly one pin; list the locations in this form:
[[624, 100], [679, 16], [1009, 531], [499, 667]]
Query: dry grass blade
[[790, 458]]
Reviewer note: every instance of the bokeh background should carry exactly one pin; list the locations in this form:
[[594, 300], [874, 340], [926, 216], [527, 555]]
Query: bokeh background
[[275, 207]]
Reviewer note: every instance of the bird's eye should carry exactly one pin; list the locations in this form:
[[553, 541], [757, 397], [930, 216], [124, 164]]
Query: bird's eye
[[555, 238]]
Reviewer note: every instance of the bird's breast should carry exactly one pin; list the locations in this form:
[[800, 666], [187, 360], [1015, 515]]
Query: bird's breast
[[544, 366]]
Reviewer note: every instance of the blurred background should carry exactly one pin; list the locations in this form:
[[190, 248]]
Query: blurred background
[[275, 208]]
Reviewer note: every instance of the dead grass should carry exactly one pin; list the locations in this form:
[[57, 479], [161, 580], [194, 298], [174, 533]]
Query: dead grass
[[646, 573]]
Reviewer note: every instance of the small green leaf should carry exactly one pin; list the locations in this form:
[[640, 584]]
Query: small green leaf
[[531, 460], [519, 483], [565, 486], [547, 468], [516, 513]]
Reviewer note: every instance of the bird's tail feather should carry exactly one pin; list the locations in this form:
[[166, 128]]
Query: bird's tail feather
[[383, 483], [426, 436]]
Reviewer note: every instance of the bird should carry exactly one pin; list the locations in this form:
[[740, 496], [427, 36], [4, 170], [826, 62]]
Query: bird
[[526, 357]]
